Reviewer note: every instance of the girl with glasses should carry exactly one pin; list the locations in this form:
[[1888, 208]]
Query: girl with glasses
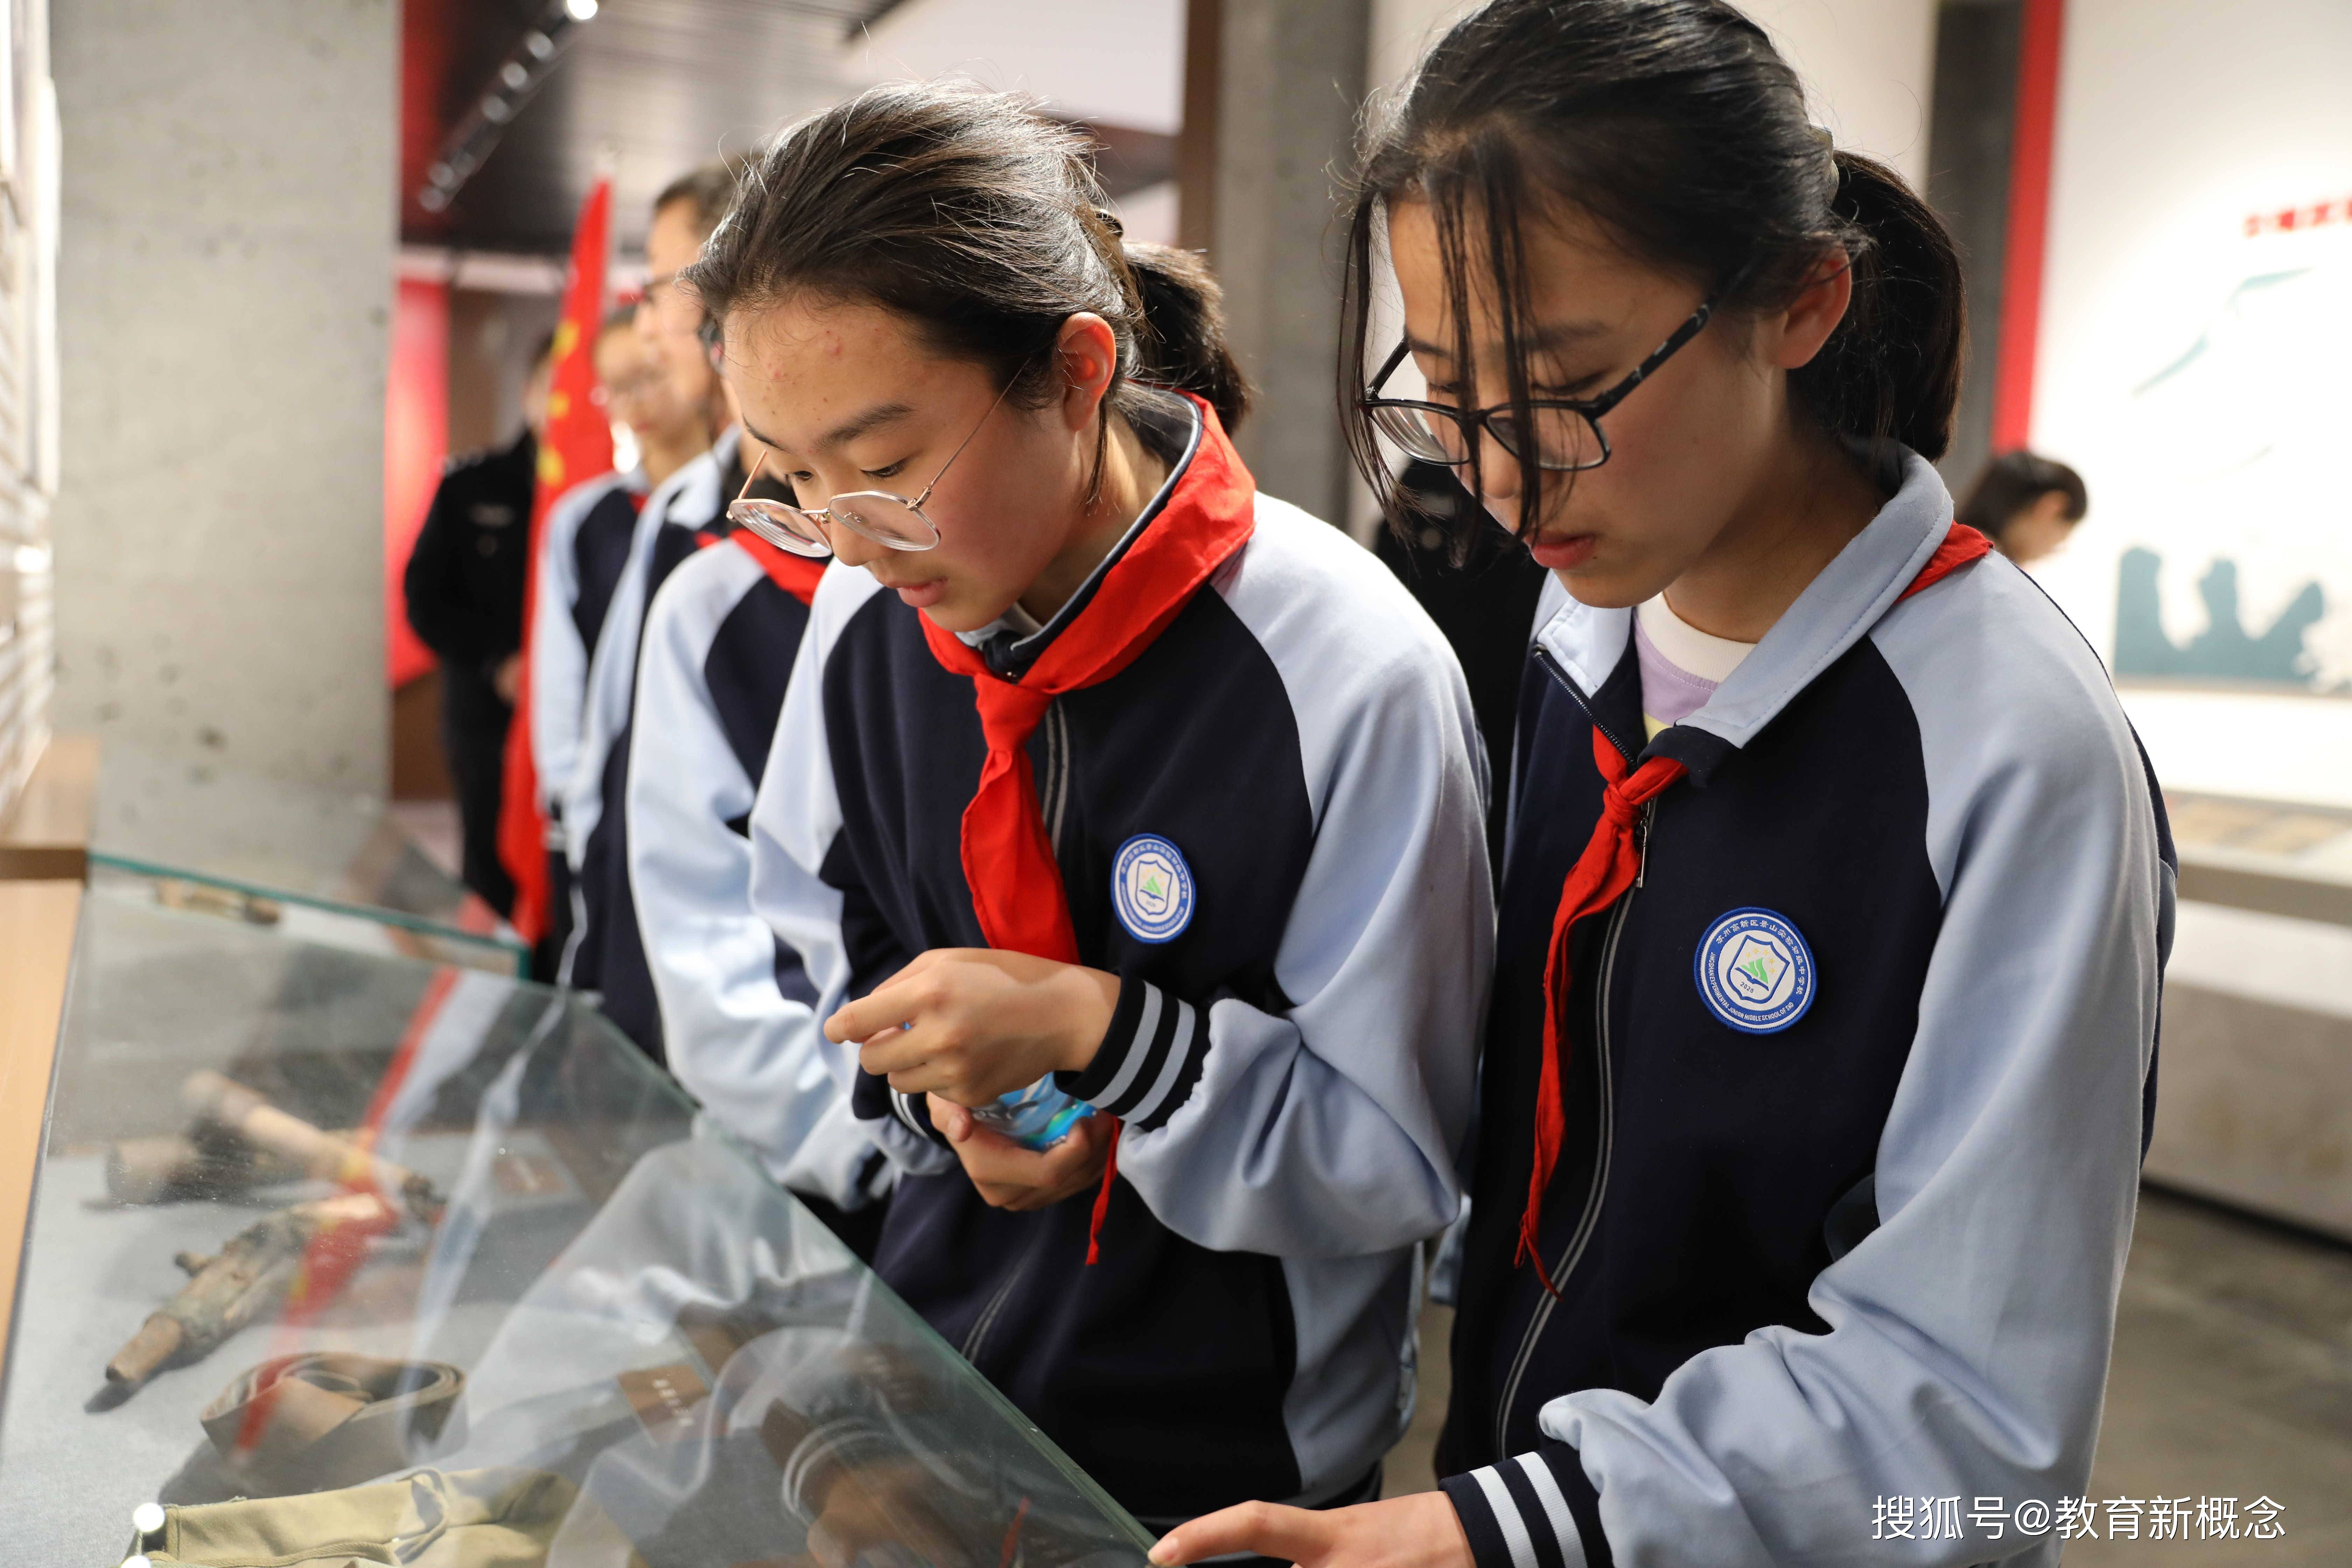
[[1820, 1054], [1125, 822]]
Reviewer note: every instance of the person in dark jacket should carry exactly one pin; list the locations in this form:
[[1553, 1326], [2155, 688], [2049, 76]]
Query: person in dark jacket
[[465, 586]]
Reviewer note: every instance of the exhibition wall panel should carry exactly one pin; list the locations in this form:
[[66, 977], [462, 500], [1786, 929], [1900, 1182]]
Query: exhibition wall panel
[[2196, 364]]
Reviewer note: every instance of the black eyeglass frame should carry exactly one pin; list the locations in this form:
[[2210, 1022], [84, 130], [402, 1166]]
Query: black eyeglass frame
[[1472, 421]]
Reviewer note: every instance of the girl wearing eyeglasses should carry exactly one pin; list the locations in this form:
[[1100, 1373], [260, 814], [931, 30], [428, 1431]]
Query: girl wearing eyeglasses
[[1822, 1047], [1126, 822]]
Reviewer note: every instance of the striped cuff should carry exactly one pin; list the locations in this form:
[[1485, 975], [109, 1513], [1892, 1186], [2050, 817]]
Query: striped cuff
[[1537, 1511], [872, 1098], [813, 1457], [1150, 1057]]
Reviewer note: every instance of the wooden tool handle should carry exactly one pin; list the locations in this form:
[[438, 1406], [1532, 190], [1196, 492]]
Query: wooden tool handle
[[319, 1154], [150, 1348]]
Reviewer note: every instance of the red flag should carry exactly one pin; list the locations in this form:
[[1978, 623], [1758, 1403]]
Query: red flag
[[578, 445]]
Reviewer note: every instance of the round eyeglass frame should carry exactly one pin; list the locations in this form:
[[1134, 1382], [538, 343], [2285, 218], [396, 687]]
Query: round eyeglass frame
[[764, 518]]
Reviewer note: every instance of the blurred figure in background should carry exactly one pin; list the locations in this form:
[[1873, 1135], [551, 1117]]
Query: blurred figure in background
[[2027, 505], [582, 553], [684, 513], [464, 588]]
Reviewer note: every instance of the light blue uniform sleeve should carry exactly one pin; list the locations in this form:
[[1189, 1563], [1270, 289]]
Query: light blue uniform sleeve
[[558, 664], [793, 823], [750, 1053], [1331, 1129]]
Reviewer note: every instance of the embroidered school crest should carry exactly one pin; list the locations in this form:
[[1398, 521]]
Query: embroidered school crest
[[1152, 889], [1755, 972]]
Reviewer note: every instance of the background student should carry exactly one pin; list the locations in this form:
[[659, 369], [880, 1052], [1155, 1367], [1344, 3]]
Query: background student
[[735, 1009], [1818, 1068], [683, 513], [1100, 775], [2027, 505], [464, 590], [582, 548]]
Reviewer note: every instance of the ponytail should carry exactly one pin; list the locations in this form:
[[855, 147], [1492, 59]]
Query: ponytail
[[1182, 346], [1678, 127], [1892, 369]]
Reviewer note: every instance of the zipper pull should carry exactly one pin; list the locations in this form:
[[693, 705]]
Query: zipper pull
[[1641, 842]]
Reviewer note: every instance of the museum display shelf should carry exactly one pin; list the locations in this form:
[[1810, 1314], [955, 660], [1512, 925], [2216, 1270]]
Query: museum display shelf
[[2255, 1065], [433, 1261], [2276, 857], [316, 864]]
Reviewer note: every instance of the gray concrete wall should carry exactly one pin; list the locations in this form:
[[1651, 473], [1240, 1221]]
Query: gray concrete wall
[[1291, 78], [224, 319]]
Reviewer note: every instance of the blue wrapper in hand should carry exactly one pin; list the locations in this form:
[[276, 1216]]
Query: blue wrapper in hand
[[1037, 1117]]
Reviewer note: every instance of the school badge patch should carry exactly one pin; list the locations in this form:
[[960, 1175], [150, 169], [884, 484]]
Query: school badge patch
[[1755, 972], [1152, 889]]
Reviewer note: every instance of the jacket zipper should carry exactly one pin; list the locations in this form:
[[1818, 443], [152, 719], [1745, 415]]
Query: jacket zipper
[[1053, 796], [1605, 1145], [1053, 789]]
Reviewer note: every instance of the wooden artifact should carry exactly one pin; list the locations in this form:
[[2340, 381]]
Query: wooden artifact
[[252, 1275]]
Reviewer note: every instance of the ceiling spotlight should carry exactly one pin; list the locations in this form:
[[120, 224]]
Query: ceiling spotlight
[[433, 198], [514, 76], [497, 110], [580, 10], [540, 44], [441, 173]]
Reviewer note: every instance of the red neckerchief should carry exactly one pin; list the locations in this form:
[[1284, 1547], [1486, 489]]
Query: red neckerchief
[[795, 574], [1600, 878], [1008, 862]]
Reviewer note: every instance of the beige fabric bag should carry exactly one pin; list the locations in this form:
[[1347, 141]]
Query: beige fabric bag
[[466, 1518]]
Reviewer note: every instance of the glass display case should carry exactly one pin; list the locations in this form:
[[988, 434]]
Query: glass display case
[[340, 1258], [319, 865]]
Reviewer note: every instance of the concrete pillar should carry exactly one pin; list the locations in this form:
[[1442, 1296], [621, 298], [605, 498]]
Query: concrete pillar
[[1290, 77], [224, 319]]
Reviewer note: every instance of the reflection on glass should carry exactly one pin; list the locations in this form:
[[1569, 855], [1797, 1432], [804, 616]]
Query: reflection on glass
[[316, 864], [571, 1316]]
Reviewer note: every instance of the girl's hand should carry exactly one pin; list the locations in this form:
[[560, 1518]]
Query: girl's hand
[[1418, 1532], [969, 1024], [1011, 1177]]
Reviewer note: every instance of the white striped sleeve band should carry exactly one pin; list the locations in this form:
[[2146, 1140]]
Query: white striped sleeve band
[[1517, 1515], [1149, 1058]]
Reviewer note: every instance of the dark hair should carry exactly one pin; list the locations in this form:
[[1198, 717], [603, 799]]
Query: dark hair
[[711, 189], [2015, 480], [544, 352], [980, 221], [1676, 126]]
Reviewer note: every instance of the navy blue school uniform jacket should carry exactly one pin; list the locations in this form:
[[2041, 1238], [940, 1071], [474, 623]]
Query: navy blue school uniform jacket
[[738, 1013], [1856, 1084], [583, 550], [1293, 1052], [686, 513]]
